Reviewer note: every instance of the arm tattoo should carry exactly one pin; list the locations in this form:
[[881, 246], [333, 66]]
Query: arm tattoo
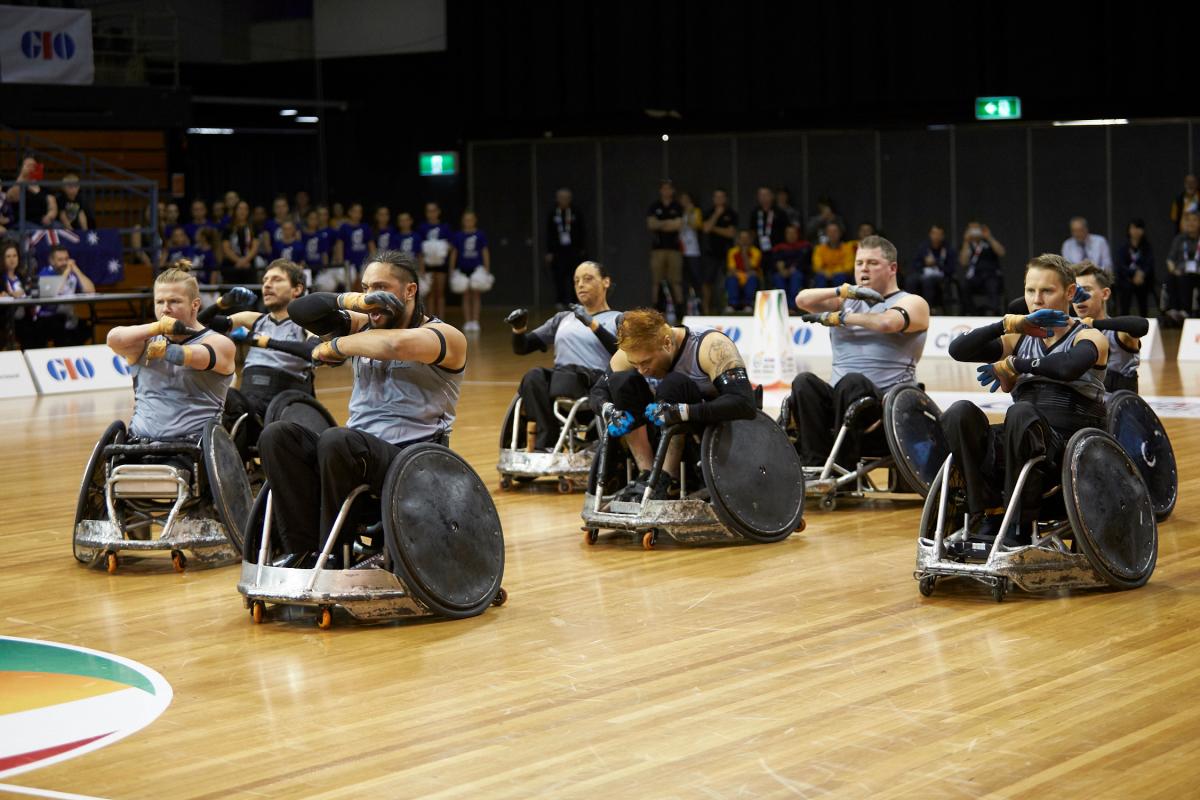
[[724, 355]]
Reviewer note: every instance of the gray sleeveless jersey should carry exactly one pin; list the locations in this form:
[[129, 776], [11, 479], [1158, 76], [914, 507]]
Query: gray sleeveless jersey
[[173, 402], [286, 330], [403, 401], [687, 361], [573, 342], [885, 359], [1121, 360], [1090, 384]]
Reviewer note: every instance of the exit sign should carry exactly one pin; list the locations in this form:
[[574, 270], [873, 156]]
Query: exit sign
[[997, 108], [438, 163]]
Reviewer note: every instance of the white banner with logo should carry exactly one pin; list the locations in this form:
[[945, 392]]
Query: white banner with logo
[[15, 380], [807, 340], [60, 370], [46, 45], [1189, 341]]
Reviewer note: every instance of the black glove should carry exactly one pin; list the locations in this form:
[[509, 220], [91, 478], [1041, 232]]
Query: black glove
[[518, 318], [237, 297]]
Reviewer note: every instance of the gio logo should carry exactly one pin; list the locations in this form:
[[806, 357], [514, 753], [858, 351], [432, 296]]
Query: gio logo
[[120, 365], [70, 369], [944, 339], [47, 45], [733, 332], [802, 336]]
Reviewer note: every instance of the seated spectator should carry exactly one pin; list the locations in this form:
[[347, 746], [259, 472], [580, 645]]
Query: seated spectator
[[865, 229], [287, 244], [383, 235], [1183, 268], [1084, 246], [199, 220], [980, 258], [1187, 202], [934, 267], [239, 247], [72, 213], [41, 207], [168, 220], [178, 247], [206, 255], [791, 262], [317, 241], [818, 224], [16, 323], [783, 199], [743, 271], [58, 323], [1134, 270], [833, 261]]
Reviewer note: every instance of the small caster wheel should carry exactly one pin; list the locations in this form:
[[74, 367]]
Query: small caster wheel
[[501, 597], [178, 560], [591, 535], [999, 590], [926, 584], [649, 538], [257, 609], [505, 482], [803, 524], [325, 620], [828, 503], [110, 562], [564, 486]]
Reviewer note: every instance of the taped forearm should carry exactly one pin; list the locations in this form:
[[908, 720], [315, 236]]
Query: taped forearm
[[981, 345]]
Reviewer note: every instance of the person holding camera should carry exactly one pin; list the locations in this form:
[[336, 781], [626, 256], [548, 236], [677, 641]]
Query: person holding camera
[[980, 256]]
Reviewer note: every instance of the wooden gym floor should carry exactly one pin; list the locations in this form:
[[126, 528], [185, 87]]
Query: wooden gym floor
[[809, 668]]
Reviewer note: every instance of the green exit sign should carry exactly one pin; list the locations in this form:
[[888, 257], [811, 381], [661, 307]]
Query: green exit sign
[[438, 163], [997, 108]]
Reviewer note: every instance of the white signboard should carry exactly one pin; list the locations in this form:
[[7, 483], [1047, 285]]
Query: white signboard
[[45, 45], [1189, 341], [59, 370], [15, 380]]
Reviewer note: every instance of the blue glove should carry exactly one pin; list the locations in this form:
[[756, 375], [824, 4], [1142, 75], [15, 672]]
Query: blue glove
[[237, 297], [1036, 324], [997, 374], [619, 423], [1081, 295], [240, 334], [665, 413], [987, 375]]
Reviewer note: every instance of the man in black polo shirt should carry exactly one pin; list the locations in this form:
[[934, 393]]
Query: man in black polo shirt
[[664, 220], [720, 223]]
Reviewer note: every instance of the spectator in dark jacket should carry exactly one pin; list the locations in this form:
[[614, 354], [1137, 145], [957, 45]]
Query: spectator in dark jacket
[[1133, 263], [566, 246], [933, 267]]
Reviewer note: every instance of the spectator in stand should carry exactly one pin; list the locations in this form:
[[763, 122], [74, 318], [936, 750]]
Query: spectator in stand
[[1186, 202], [287, 243], [1084, 246], [833, 260], [169, 220], [219, 216], [258, 222], [980, 259], [818, 224], [664, 220], [231, 201], [433, 239], [239, 246], [41, 207], [565, 247], [178, 247], [303, 206], [783, 199], [270, 228], [791, 260], [468, 253], [689, 243], [206, 255], [767, 220], [199, 221], [721, 227], [16, 327], [934, 267], [865, 229], [58, 323], [145, 242], [337, 216], [353, 247], [383, 235], [72, 213], [406, 237], [743, 273], [1134, 268], [1183, 268], [317, 242]]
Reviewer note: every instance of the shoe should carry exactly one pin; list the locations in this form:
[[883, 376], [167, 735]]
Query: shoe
[[632, 492], [730, 310], [666, 488]]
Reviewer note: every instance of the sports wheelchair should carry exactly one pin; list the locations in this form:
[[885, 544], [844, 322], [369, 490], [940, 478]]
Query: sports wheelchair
[[570, 459], [750, 488], [915, 447], [196, 494], [430, 545], [245, 424]]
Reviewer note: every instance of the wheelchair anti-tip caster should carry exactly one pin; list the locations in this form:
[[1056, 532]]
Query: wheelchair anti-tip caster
[[506, 482], [178, 560], [110, 562], [564, 486], [591, 535], [828, 503], [649, 539], [325, 618], [257, 610], [501, 597], [926, 585]]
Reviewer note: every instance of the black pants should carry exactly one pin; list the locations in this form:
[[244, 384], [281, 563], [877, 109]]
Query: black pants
[[1181, 291], [819, 410], [629, 391], [311, 475], [990, 457], [1128, 294], [929, 287], [538, 389], [562, 268], [1115, 382], [988, 284]]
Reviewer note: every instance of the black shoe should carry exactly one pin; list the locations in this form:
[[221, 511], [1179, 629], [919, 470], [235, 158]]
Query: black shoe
[[633, 491]]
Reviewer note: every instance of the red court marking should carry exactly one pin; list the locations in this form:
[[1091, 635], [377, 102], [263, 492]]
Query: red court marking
[[38, 755]]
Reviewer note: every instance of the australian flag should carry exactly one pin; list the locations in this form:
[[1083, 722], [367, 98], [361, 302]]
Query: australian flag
[[98, 252]]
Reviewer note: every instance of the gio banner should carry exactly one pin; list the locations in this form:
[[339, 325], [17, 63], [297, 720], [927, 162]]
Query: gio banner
[[45, 45]]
